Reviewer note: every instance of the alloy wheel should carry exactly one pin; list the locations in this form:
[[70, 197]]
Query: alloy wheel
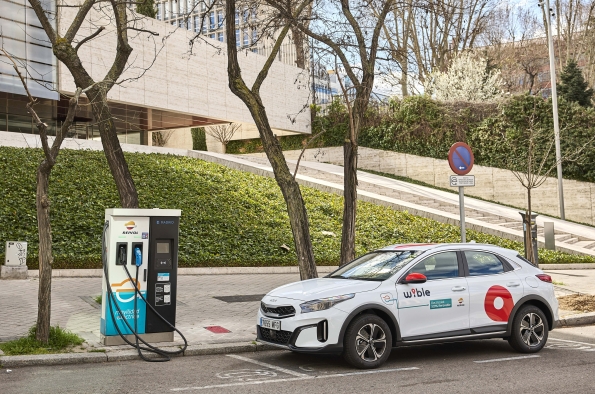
[[532, 329], [370, 342]]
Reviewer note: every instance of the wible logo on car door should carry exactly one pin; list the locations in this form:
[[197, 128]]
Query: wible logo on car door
[[416, 293]]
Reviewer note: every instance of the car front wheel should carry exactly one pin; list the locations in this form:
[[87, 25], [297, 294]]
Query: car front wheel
[[368, 342], [529, 330]]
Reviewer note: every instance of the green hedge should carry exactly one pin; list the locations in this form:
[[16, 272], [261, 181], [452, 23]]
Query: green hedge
[[199, 138], [229, 218]]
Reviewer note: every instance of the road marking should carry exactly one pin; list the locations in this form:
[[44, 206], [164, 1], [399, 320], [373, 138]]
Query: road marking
[[566, 340], [305, 377], [493, 360], [270, 366]]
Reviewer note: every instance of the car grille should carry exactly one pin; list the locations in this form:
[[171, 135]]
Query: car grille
[[280, 337], [278, 311]]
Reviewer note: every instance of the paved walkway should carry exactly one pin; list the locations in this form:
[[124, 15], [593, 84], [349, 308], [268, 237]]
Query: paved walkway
[[73, 307]]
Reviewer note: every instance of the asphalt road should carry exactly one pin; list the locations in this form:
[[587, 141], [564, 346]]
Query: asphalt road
[[490, 366]]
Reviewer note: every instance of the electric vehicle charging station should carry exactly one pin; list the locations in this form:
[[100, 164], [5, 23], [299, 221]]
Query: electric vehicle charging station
[[139, 287]]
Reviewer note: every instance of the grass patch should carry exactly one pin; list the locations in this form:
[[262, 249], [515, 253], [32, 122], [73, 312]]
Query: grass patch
[[97, 299], [555, 282], [60, 341], [229, 218]]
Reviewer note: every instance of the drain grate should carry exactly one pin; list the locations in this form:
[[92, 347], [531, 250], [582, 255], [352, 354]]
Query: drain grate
[[241, 298]]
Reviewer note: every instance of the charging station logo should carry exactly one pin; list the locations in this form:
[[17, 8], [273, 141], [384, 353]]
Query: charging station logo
[[129, 227], [124, 288]]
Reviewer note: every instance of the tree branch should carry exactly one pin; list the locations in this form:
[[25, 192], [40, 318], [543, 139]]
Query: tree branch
[[92, 36]]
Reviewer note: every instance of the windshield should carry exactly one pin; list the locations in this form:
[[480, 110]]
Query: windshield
[[376, 266]]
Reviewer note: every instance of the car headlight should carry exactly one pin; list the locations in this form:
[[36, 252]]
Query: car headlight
[[324, 303]]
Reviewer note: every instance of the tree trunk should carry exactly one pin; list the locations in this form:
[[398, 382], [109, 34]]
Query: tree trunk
[[298, 42], [45, 252], [350, 203], [113, 150], [296, 208], [403, 81], [528, 234]]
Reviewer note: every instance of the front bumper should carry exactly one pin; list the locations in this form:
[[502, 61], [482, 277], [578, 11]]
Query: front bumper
[[301, 332]]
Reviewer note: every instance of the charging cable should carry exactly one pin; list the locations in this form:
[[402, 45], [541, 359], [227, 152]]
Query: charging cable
[[165, 355]]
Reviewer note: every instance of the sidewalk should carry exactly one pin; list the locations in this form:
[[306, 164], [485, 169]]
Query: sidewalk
[[73, 306]]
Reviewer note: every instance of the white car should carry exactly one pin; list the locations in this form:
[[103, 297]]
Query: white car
[[412, 294]]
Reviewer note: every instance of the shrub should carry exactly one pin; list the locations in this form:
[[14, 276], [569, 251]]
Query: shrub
[[199, 138]]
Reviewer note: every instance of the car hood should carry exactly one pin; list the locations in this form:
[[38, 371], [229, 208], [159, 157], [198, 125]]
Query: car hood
[[323, 287]]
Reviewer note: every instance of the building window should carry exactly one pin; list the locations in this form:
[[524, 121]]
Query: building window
[[212, 20], [196, 24], [254, 35], [237, 18], [238, 43], [189, 5], [246, 16], [159, 11], [220, 36], [212, 35], [204, 24], [246, 38], [181, 23], [220, 18], [203, 6], [167, 5]]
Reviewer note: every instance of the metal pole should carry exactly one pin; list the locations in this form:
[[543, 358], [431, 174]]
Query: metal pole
[[548, 21], [462, 213]]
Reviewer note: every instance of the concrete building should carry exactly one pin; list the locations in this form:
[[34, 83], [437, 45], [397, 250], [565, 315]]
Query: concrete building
[[168, 85]]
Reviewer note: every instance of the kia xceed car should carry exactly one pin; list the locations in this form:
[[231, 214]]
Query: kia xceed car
[[412, 294]]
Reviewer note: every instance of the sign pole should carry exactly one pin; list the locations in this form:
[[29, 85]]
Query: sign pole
[[462, 213], [460, 160]]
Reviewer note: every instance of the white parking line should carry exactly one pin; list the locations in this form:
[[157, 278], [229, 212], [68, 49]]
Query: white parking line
[[566, 340], [270, 366], [305, 377], [493, 360]]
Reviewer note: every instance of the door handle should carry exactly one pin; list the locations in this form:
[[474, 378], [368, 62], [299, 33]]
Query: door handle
[[513, 284], [459, 288]]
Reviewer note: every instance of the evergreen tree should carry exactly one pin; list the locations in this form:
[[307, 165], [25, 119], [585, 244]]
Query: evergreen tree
[[573, 86], [147, 8]]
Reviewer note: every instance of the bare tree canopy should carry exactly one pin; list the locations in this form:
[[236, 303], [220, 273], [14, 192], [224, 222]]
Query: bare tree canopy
[[223, 132]]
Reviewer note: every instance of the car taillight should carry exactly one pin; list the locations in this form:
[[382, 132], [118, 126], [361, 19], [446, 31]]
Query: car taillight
[[544, 278]]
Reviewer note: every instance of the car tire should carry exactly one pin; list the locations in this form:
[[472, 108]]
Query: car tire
[[357, 349], [529, 331]]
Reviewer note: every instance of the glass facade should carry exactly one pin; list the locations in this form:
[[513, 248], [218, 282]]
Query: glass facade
[[26, 42]]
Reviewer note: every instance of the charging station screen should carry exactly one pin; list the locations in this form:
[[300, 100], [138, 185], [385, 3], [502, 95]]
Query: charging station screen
[[163, 247]]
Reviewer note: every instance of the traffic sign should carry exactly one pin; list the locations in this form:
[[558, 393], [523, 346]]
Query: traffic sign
[[460, 158], [462, 180]]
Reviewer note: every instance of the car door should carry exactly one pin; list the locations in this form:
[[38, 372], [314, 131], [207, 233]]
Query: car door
[[494, 289], [440, 305]]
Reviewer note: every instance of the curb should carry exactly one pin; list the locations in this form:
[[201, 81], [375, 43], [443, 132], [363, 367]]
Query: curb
[[127, 355], [576, 266], [580, 319], [98, 273]]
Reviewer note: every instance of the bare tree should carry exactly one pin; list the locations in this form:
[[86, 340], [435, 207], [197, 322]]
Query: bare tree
[[160, 138], [42, 202], [223, 133], [66, 47], [251, 97], [350, 32], [424, 36]]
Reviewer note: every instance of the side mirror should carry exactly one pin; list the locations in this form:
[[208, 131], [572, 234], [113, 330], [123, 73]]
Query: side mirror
[[415, 277]]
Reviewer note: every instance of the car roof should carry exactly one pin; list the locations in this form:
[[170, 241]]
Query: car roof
[[462, 246]]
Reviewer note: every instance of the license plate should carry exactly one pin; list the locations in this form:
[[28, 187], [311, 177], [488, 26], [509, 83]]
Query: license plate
[[272, 324]]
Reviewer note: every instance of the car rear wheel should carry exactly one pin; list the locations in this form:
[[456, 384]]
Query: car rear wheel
[[529, 330], [368, 342]]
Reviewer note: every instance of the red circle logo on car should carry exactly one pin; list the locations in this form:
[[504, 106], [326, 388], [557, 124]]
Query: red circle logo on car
[[498, 303]]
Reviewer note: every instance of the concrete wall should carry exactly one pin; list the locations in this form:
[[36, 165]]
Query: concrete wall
[[491, 183], [189, 83]]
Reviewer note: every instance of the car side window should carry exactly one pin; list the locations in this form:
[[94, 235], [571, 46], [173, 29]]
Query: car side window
[[439, 266], [482, 263]]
